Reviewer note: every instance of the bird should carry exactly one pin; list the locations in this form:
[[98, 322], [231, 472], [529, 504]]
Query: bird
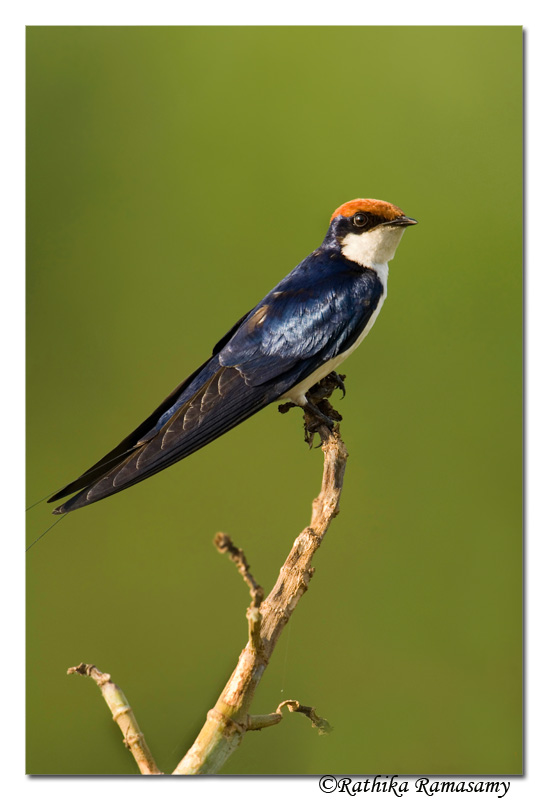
[[297, 334]]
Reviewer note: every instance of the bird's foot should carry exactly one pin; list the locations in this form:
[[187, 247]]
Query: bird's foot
[[318, 411], [325, 388], [315, 418]]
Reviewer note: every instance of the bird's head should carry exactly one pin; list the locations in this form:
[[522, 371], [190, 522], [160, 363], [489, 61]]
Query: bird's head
[[369, 231]]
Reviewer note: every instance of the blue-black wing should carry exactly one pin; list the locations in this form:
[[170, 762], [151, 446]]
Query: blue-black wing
[[315, 313]]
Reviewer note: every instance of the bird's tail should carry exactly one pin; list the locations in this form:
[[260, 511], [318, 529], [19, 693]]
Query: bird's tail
[[219, 404]]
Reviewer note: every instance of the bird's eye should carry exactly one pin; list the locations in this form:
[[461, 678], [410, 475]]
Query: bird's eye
[[360, 220]]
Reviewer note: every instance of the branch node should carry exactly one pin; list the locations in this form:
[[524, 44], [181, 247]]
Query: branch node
[[214, 715], [132, 738], [119, 711], [254, 619]]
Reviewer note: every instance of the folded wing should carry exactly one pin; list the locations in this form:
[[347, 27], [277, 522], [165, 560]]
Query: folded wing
[[306, 320]]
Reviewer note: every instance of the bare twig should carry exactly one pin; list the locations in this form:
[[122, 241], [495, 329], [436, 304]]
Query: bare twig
[[123, 716], [259, 721], [320, 723], [224, 544]]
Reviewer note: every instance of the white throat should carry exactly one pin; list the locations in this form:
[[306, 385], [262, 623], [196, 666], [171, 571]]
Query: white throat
[[373, 248]]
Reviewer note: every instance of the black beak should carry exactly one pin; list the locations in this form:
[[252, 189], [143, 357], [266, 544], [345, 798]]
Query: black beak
[[401, 222]]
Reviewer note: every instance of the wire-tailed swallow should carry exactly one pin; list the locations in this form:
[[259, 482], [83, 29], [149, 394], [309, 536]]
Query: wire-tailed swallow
[[301, 331]]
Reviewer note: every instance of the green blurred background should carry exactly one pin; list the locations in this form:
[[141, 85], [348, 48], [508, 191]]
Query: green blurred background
[[174, 175]]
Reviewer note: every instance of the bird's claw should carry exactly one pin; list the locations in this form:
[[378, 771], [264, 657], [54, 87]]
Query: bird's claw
[[338, 380]]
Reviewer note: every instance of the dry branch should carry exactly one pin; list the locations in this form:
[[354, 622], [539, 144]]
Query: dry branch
[[229, 720]]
